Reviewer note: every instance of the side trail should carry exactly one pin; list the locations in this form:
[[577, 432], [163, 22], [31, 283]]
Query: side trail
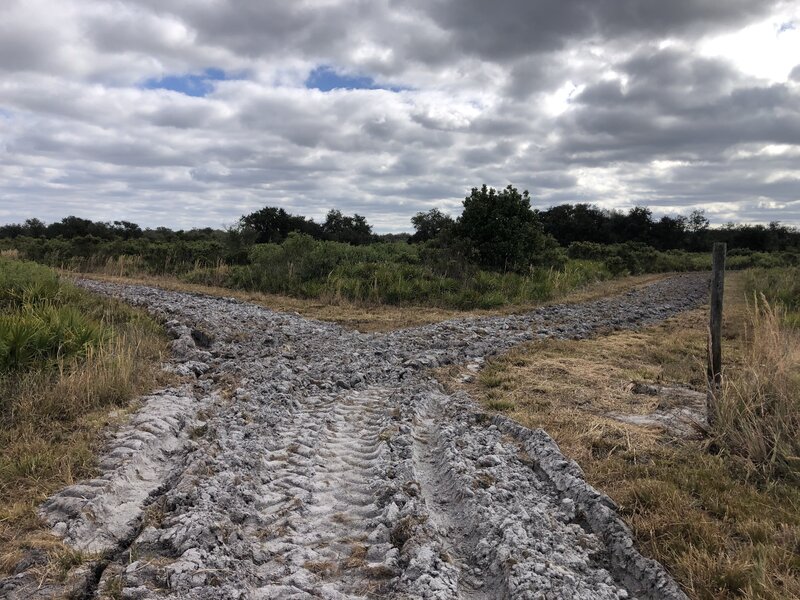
[[301, 460]]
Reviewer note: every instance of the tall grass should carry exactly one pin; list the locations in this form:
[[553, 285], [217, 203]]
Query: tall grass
[[66, 359], [759, 408], [759, 405], [778, 285]]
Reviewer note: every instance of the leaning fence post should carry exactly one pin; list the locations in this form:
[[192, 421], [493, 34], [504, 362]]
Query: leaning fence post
[[715, 330]]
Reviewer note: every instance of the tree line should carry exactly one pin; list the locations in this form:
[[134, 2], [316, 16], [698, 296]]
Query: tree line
[[497, 229]]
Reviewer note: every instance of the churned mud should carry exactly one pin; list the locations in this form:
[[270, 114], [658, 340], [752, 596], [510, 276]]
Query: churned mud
[[302, 460]]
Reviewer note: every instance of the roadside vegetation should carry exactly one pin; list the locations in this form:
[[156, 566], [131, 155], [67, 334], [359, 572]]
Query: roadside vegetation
[[759, 406], [780, 287], [721, 508], [499, 252], [67, 360]]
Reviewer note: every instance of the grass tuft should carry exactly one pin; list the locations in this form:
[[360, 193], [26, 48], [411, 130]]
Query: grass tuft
[[758, 415]]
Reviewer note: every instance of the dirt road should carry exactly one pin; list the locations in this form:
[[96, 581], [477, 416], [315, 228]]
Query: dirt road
[[301, 460]]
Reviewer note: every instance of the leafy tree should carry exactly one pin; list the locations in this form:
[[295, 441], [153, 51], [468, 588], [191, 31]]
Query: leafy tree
[[697, 221], [126, 230], [390, 238], [697, 224], [71, 227], [503, 231], [11, 231], [637, 225], [669, 232], [273, 225], [575, 223], [35, 228], [162, 234], [342, 228], [238, 241], [430, 225]]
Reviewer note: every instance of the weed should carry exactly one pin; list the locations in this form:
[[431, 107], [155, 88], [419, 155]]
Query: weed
[[403, 531], [66, 559], [198, 432], [500, 405], [113, 587], [386, 434], [483, 481], [357, 558]]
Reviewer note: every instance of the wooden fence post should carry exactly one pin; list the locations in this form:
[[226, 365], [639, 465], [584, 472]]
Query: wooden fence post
[[715, 330]]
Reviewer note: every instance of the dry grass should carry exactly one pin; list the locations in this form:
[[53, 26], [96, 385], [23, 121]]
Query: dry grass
[[371, 318], [323, 568], [54, 415], [759, 406], [722, 532], [358, 556]]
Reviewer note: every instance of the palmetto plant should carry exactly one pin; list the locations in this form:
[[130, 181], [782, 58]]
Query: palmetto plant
[[38, 324]]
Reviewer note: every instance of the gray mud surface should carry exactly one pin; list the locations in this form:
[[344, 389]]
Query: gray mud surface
[[302, 460]]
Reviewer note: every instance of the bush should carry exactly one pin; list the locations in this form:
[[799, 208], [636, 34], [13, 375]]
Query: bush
[[398, 273], [66, 358], [636, 258], [503, 232]]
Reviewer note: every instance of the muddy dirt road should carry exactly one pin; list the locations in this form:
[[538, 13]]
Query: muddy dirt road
[[301, 460]]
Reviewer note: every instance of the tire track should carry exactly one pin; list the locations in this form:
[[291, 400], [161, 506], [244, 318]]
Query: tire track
[[327, 530], [511, 534], [334, 467], [444, 500]]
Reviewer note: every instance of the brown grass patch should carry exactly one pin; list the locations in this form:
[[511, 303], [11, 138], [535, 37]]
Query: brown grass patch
[[722, 532], [358, 556], [758, 410], [323, 568]]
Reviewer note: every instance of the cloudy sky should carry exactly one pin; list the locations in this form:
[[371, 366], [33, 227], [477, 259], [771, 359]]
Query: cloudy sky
[[193, 112]]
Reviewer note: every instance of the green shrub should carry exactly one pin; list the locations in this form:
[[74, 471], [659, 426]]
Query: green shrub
[[398, 273], [40, 323], [635, 258]]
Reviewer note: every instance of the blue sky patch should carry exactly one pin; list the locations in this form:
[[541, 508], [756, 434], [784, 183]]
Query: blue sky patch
[[325, 79], [198, 85]]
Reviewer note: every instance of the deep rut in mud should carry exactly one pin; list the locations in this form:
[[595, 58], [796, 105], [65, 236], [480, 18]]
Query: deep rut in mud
[[300, 460]]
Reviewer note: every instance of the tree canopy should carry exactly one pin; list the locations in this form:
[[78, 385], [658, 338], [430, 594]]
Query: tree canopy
[[502, 230]]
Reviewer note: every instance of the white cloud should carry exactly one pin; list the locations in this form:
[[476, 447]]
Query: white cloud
[[615, 110], [769, 49]]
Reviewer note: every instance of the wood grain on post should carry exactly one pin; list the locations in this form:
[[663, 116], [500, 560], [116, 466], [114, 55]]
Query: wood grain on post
[[715, 329]]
